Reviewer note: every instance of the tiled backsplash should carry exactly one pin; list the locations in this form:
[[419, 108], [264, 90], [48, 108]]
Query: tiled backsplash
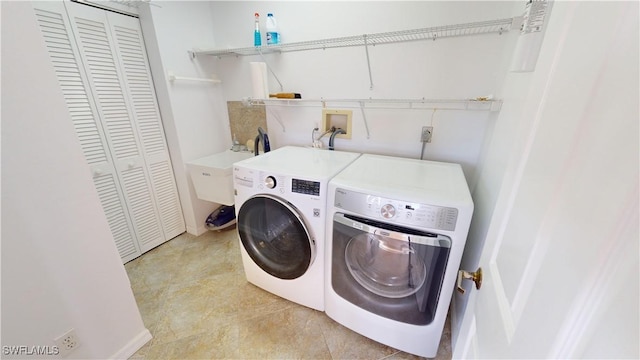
[[244, 120]]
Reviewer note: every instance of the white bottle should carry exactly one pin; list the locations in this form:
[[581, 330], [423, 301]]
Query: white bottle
[[273, 37]]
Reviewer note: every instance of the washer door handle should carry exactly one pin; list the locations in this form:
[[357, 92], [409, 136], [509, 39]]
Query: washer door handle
[[465, 275]]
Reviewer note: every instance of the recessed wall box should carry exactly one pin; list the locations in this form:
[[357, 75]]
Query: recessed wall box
[[338, 119]]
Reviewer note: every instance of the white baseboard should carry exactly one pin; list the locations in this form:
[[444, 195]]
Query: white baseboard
[[134, 345], [197, 231]]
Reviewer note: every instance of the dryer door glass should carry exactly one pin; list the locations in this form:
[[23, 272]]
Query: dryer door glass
[[385, 266], [275, 237], [389, 270]]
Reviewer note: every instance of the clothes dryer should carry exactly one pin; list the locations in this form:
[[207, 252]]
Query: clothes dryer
[[280, 199], [397, 229]]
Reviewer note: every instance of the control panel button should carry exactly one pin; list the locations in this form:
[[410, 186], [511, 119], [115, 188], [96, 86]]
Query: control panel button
[[387, 211], [270, 182]]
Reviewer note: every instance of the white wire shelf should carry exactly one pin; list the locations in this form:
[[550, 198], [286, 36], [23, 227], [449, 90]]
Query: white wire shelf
[[478, 104], [433, 33]]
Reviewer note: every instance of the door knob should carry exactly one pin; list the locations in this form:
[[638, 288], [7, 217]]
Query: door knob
[[465, 275]]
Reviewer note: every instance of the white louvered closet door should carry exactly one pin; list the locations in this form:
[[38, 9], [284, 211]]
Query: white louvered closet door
[[53, 21], [120, 114], [133, 61]]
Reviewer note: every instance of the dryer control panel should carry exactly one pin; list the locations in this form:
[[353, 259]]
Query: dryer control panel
[[397, 211]]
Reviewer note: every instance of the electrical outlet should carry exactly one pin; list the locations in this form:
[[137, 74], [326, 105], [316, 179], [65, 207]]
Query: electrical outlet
[[67, 342], [427, 132]]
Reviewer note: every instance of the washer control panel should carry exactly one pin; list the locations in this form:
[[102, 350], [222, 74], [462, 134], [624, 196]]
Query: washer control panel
[[269, 182], [397, 211], [305, 187]]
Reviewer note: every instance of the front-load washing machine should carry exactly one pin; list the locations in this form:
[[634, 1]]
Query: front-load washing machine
[[397, 229], [281, 202]]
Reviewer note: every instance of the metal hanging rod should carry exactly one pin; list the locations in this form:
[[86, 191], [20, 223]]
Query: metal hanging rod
[[433, 33]]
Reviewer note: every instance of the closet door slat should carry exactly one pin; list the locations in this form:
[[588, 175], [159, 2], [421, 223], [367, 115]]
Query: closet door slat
[[116, 216], [102, 70]]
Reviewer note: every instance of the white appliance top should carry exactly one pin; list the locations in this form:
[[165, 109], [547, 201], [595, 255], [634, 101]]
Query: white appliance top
[[303, 162], [413, 180]]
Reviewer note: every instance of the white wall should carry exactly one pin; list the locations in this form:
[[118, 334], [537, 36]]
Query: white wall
[[60, 265], [194, 114], [457, 68]]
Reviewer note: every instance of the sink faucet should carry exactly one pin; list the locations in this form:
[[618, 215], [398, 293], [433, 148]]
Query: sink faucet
[[333, 136]]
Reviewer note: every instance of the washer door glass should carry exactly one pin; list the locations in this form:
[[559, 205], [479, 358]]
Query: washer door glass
[[385, 266], [275, 236]]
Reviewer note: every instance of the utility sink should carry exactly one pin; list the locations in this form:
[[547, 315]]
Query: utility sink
[[212, 175]]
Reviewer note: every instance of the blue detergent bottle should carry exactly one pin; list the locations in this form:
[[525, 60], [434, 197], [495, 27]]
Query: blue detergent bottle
[[257, 38]]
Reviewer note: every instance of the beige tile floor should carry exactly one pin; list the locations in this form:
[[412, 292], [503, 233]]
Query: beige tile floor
[[197, 304]]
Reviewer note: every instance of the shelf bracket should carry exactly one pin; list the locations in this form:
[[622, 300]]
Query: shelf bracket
[[366, 49], [269, 68], [364, 117], [277, 117]]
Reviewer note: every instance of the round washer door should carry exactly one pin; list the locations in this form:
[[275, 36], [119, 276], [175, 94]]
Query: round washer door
[[275, 236]]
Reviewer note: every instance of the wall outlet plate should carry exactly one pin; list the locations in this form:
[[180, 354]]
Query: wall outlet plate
[[67, 343], [427, 133]]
